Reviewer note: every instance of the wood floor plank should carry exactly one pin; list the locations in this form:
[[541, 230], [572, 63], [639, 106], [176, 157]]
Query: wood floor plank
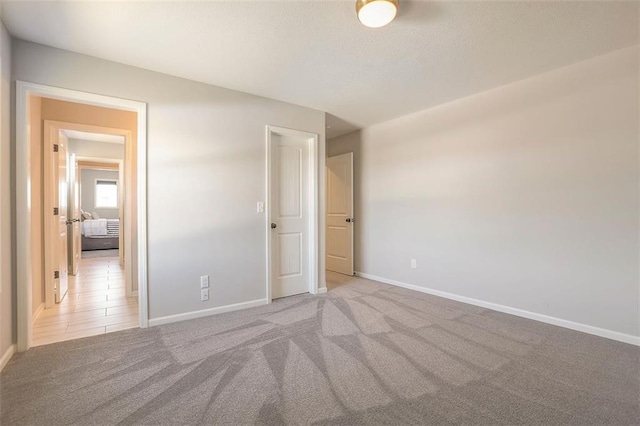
[[99, 322], [122, 310], [123, 326], [95, 303]]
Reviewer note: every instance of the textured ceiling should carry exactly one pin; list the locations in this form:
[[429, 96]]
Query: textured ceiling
[[315, 53]]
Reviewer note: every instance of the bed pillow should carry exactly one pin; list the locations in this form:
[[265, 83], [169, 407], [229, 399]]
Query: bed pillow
[[95, 215], [86, 216]]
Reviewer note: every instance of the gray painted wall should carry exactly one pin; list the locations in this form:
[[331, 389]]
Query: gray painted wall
[[87, 192], [206, 171], [7, 290], [525, 195]]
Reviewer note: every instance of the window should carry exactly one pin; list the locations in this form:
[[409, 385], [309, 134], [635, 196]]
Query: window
[[106, 194]]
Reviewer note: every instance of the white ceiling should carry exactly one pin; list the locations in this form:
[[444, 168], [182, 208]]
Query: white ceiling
[[96, 137], [315, 52]]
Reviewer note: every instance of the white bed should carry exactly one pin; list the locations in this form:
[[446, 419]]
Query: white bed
[[100, 234]]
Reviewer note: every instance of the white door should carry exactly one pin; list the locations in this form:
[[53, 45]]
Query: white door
[[289, 215], [340, 214], [62, 196], [60, 243], [55, 208], [74, 216], [121, 198]]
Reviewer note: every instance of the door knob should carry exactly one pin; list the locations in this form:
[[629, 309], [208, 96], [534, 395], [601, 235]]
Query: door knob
[[350, 220], [274, 226]]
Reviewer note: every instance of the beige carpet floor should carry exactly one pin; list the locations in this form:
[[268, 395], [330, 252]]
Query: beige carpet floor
[[364, 353]]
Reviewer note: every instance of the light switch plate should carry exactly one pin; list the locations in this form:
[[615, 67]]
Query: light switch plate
[[260, 207], [204, 281]]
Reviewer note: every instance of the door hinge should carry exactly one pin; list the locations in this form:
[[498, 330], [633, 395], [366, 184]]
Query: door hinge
[[56, 275], [56, 211], [55, 147]]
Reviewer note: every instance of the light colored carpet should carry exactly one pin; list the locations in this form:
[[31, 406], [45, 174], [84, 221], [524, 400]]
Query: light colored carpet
[[364, 353], [92, 254]]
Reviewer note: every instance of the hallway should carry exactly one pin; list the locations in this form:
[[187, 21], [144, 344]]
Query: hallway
[[95, 304]]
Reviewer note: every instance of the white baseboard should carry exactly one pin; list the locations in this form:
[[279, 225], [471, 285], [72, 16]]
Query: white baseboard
[[7, 356], [37, 313], [602, 332], [206, 312], [322, 290]]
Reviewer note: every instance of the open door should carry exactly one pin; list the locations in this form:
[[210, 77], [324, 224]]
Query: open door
[[74, 217], [121, 200], [292, 248], [56, 213], [340, 214], [290, 215]]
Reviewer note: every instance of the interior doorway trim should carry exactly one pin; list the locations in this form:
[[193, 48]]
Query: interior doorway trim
[[313, 208], [23, 191]]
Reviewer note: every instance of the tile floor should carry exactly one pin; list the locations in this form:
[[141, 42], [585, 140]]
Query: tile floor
[[95, 304]]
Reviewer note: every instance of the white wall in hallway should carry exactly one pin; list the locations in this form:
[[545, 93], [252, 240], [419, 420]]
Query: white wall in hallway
[[7, 290]]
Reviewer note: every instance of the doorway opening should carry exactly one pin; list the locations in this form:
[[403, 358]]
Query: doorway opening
[[88, 285], [81, 158], [340, 220]]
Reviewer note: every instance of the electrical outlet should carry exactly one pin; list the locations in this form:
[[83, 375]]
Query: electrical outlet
[[414, 264], [204, 294], [204, 281]]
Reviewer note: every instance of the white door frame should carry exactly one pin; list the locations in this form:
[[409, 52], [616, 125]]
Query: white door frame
[[23, 190], [314, 204]]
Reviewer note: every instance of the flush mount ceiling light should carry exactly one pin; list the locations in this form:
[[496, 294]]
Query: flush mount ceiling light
[[376, 13]]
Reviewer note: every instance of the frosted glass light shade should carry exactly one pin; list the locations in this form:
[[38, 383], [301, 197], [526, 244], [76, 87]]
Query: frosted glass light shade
[[376, 13]]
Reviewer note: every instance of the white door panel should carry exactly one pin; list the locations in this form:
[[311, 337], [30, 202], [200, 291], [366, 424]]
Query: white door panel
[[63, 197], [56, 214], [74, 216], [290, 215], [339, 232]]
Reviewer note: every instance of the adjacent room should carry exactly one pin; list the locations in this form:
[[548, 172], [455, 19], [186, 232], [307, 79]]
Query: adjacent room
[[319, 212], [81, 269]]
